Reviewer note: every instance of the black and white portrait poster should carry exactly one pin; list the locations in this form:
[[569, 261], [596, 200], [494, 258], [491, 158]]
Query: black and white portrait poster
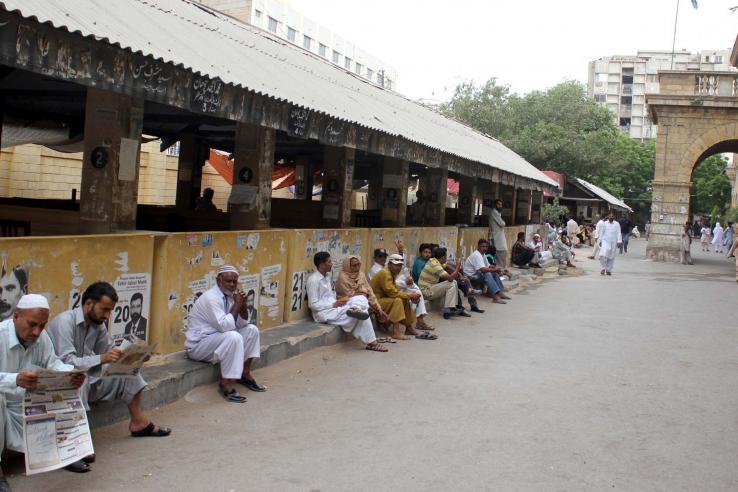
[[130, 317]]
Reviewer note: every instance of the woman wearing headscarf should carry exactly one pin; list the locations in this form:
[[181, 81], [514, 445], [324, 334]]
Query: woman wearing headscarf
[[351, 282]]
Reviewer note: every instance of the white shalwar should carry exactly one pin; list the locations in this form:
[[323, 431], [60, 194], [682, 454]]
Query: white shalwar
[[717, 238], [401, 283], [321, 298], [609, 239], [543, 254], [214, 335], [14, 357], [597, 234]]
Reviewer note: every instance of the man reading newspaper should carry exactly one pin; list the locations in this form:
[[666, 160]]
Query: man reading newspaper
[[81, 338], [25, 348]]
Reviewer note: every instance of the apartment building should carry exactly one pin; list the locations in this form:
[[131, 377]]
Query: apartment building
[[621, 83], [282, 20]]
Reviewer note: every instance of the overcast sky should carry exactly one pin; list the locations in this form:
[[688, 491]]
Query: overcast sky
[[528, 44]]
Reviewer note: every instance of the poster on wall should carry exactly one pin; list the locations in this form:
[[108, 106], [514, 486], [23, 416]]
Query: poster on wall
[[250, 285], [13, 285], [269, 292], [130, 316]]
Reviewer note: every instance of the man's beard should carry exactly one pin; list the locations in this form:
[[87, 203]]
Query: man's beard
[[135, 317], [95, 320], [228, 292], [5, 309]]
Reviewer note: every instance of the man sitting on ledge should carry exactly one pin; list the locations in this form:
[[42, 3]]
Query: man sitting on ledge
[[81, 339], [436, 282], [351, 314], [218, 330], [24, 348], [396, 302], [524, 256], [482, 274]]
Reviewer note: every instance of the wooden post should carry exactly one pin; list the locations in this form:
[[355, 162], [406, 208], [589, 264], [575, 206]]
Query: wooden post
[[435, 188], [394, 191], [515, 207], [338, 180], [189, 172], [251, 194], [374, 194], [108, 198], [467, 200], [302, 169]]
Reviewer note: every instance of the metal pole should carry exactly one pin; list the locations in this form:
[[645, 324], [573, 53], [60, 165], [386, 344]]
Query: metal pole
[[673, 41]]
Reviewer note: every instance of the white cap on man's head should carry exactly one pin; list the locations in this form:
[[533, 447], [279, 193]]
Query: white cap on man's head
[[396, 259], [32, 301], [227, 269]]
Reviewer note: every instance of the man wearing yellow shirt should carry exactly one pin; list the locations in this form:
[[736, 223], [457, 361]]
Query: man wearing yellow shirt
[[395, 302], [435, 281]]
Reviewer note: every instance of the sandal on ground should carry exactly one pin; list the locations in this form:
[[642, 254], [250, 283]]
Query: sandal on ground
[[149, 431], [78, 467], [231, 395], [426, 327], [376, 347], [357, 314], [386, 340], [426, 336], [252, 385], [499, 301]]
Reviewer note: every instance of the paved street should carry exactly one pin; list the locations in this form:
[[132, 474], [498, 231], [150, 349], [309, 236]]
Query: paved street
[[581, 383]]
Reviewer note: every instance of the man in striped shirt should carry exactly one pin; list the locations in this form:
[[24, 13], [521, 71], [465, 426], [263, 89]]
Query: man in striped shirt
[[435, 282]]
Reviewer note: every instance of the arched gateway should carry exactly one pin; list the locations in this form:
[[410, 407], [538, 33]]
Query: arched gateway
[[697, 116]]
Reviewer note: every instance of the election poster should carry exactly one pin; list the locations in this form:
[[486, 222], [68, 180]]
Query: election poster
[[131, 314]]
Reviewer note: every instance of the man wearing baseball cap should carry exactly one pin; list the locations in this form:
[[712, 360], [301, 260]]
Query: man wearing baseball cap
[[380, 260]]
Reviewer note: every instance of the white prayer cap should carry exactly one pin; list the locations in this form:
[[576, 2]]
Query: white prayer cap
[[396, 259], [227, 269], [32, 301]]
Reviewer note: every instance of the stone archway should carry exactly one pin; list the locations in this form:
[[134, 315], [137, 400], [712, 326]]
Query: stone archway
[[691, 127]]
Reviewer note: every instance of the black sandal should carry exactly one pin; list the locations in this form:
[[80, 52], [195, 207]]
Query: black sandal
[[149, 431], [252, 385], [426, 336], [78, 467], [231, 395]]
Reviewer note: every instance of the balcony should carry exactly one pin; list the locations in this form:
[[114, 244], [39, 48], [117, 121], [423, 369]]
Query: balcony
[[712, 83]]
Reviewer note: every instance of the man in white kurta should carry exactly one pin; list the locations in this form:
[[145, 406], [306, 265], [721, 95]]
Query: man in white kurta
[[718, 239], [497, 233], [597, 233], [352, 314], [24, 348], [380, 260], [610, 239], [218, 331], [571, 228]]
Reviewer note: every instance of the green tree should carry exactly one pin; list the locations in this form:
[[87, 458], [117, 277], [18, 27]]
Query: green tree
[[710, 186]]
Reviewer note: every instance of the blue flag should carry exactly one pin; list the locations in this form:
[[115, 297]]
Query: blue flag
[[694, 3]]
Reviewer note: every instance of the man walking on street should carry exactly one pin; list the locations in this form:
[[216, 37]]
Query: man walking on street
[[610, 239], [625, 227], [597, 233], [497, 233]]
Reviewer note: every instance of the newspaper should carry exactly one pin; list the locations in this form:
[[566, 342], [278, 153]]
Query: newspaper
[[130, 362], [55, 428]]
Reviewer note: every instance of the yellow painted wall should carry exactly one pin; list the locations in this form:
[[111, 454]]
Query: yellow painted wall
[[186, 265], [62, 267], [468, 238], [303, 245]]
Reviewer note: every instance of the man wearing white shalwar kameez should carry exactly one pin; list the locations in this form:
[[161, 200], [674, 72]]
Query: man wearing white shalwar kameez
[[218, 331], [597, 233], [609, 241], [717, 238], [351, 314], [24, 348]]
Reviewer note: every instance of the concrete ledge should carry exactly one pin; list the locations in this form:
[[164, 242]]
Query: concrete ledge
[[170, 377]]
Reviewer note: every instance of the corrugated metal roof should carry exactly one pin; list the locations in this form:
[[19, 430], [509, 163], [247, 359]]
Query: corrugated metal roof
[[190, 35], [604, 195]]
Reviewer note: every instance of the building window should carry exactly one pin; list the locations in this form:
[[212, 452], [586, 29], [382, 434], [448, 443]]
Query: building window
[[173, 150], [347, 63], [600, 98], [601, 77], [359, 68], [370, 74], [336, 57], [257, 17], [653, 78], [323, 50], [307, 42], [291, 34], [718, 58], [272, 24]]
